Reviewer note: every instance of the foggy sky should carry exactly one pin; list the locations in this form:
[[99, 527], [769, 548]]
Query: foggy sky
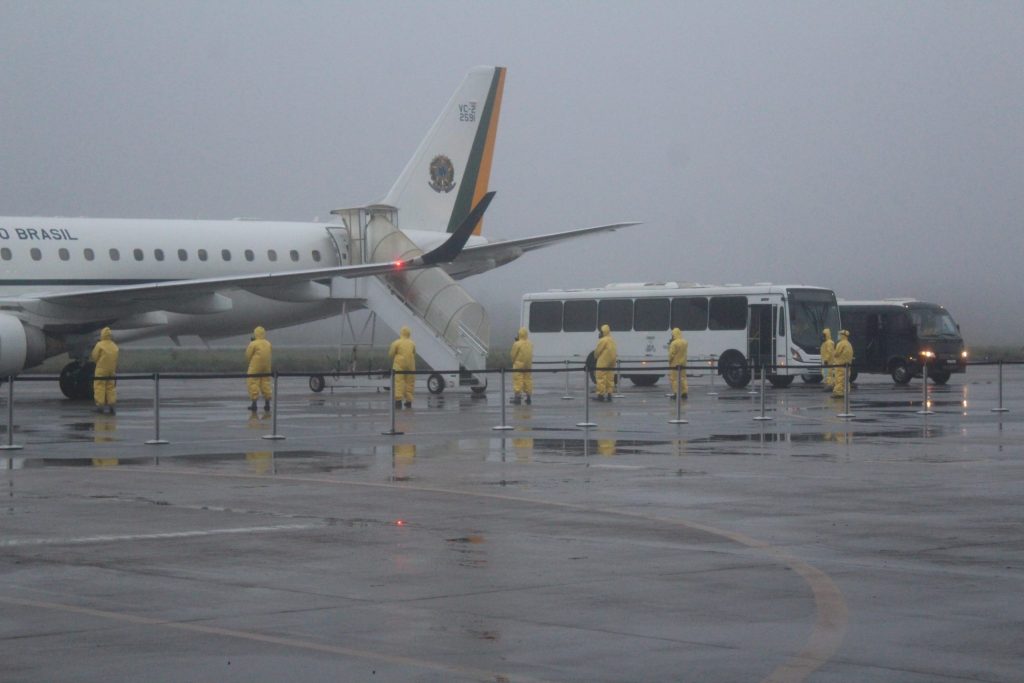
[[876, 148]]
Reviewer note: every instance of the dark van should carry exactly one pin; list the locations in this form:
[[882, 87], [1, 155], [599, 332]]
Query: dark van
[[894, 336]]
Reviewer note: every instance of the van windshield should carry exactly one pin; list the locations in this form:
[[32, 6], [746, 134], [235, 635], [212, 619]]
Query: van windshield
[[810, 312], [934, 322]]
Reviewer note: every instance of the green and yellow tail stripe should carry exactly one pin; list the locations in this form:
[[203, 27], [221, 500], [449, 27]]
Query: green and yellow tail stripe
[[478, 167]]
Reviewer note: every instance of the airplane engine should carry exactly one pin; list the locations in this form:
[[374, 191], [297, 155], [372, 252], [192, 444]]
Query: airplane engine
[[21, 345]]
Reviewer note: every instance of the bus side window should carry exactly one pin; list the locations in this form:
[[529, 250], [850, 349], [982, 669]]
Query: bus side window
[[690, 313], [545, 316], [580, 315], [650, 315], [728, 313], [616, 313]]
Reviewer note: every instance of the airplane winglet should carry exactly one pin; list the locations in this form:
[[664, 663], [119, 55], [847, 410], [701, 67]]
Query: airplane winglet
[[453, 246]]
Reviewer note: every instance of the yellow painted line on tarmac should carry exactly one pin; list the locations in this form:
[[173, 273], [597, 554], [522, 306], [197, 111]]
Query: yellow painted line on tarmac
[[191, 627], [832, 614]]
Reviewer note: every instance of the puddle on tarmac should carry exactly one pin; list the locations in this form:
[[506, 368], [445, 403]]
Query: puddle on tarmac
[[580, 447], [843, 435]]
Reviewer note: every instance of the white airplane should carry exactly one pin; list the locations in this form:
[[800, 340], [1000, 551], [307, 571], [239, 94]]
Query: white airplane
[[63, 279]]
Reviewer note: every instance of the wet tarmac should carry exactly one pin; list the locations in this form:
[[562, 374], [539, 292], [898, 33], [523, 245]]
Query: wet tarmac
[[886, 546]]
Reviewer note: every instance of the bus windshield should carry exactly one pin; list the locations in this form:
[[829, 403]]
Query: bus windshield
[[933, 322], [810, 312]]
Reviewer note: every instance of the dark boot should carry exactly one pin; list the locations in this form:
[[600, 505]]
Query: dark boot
[[408, 404], [266, 406], [528, 400], [398, 404], [516, 400], [252, 406], [112, 411]]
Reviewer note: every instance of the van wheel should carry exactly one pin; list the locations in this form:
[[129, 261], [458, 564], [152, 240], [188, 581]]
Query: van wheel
[[900, 372], [591, 366], [939, 376], [316, 383], [811, 378], [781, 381], [435, 383], [853, 376], [644, 380]]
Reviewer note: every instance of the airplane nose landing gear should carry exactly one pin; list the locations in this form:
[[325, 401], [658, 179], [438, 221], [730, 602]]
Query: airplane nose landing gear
[[76, 380]]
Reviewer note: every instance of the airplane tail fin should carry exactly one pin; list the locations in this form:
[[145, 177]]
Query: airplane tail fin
[[449, 173]]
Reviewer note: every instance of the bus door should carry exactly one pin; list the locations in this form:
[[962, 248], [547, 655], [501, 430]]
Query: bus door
[[760, 336]]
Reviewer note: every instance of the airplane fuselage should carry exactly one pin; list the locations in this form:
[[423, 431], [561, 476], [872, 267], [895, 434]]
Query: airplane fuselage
[[42, 255]]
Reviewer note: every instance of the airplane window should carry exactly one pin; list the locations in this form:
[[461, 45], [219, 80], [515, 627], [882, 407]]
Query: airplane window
[[64, 254], [89, 254], [294, 254], [202, 254], [316, 255], [182, 255], [225, 254], [137, 253], [158, 254], [271, 254], [115, 255], [5, 253], [249, 255], [36, 254]]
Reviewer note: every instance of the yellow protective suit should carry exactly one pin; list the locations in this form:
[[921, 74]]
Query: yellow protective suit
[[402, 353], [258, 354], [606, 355], [105, 355], [842, 358], [828, 349], [677, 349], [522, 360]]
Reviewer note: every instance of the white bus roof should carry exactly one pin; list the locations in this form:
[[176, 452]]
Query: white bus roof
[[664, 288]]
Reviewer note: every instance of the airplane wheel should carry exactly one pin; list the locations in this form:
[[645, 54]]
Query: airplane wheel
[[316, 383], [435, 383]]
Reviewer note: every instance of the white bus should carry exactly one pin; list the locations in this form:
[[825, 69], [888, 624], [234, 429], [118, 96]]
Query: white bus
[[743, 328]]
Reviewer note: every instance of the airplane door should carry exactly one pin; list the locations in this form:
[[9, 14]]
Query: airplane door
[[339, 241], [760, 337]]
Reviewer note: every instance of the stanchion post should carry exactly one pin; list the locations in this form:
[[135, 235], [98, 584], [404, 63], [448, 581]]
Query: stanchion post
[[713, 366], [274, 436], [586, 401], [156, 440], [925, 410], [1000, 409], [391, 402], [10, 445], [503, 425], [679, 398], [615, 381], [567, 396], [762, 416], [846, 414]]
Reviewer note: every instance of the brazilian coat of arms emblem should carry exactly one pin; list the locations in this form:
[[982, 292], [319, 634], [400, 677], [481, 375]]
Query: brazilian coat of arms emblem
[[442, 174]]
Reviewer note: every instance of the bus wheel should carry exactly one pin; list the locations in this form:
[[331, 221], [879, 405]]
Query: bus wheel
[[900, 372], [644, 380], [734, 371], [781, 381], [811, 378], [316, 383], [939, 376], [435, 383]]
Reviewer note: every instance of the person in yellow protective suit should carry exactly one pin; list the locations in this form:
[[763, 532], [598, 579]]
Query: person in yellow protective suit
[[842, 358], [522, 360], [104, 386], [677, 349], [402, 353], [828, 349], [258, 354], [605, 353]]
